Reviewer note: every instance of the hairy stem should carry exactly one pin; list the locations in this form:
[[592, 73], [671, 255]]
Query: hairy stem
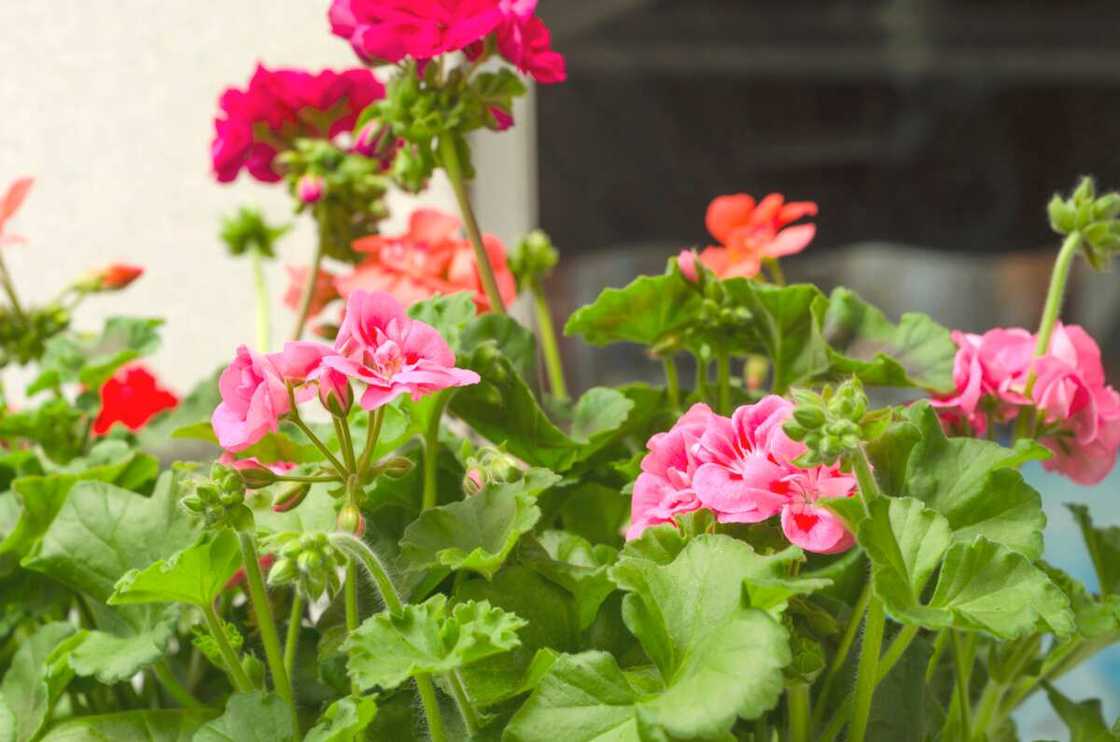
[[962, 664], [264, 318], [174, 688], [265, 621], [241, 682], [357, 550], [553, 363], [868, 669], [431, 454], [428, 699], [845, 646], [449, 158], [1059, 278], [291, 641], [351, 598], [672, 381], [471, 720]]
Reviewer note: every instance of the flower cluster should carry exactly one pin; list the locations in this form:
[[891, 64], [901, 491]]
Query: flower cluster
[[387, 31], [429, 258], [748, 232], [280, 106], [998, 377], [378, 345], [742, 469]]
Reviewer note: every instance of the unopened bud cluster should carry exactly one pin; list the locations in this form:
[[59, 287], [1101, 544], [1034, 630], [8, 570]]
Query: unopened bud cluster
[[24, 336], [490, 466], [220, 501], [1095, 217], [533, 259], [307, 560], [829, 424]]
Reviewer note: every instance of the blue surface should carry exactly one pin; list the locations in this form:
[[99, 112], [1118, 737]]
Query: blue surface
[[1099, 677]]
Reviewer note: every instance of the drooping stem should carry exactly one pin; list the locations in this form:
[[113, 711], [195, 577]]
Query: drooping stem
[[672, 381], [797, 707], [428, 699], [174, 688], [10, 288], [431, 454], [295, 622], [723, 375], [264, 318], [845, 646], [449, 158], [962, 663], [351, 598], [265, 621], [360, 552], [553, 363], [241, 682], [471, 720], [868, 669], [313, 268]]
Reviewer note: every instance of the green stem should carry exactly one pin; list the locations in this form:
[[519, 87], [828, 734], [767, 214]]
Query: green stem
[[302, 478], [431, 455], [373, 432], [265, 622], [428, 699], [797, 705], [294, 416], [1059, 277], [174, 688], [842, 651], [553, 363], [1054, 662], [351, 597], [241, 682], [291, 641], [312, 278], [360, 552], [868, 485], [761, 731], [868, 669], [342, 431], [962, 663], [449, 158], [723, 374], [471, 720], [264, 320], [898, 647], [672, 381], [935, 658], [777, 277], [10, 288]]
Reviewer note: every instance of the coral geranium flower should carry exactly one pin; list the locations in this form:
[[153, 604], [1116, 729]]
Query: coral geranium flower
[[748, 232], [9, 204]]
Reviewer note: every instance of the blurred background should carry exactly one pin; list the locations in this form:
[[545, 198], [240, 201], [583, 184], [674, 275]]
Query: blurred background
[[931, 133]]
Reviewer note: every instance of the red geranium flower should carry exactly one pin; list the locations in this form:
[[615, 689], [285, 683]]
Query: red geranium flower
[[133, 397]]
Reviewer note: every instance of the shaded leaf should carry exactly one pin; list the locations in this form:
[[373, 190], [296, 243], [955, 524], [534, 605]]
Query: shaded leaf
[[343, 721], [195, 575], [133, 726], [251, 717], [30, 687]]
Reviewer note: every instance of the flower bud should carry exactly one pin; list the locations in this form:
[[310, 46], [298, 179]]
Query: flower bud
[[309, 561], [256, 477], [282, 572], [290, 498], [687, 262], [500, 119], [193, 503], [335, 393], [111, 278], [310, 188], [473, 481], [809, 417], [350, 520], [396, 467]]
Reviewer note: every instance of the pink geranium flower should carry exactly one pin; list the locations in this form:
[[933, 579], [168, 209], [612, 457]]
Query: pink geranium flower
[[392, 354], [254, 398], [749, 231], [664, 488], [744, 462], [429, 258], [991, 368], [808, 525], [280, 106], [10, 202]]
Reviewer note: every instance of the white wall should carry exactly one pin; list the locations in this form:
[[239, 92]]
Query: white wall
[[109, 105]]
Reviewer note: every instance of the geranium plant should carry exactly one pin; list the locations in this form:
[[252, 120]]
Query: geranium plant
[[393, 531]]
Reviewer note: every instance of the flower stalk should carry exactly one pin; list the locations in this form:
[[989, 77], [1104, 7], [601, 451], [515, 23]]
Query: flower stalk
[[868, 669], [264, 318], [314, 267], [240, 680], [265, 621], [550, 348], [291, 641]]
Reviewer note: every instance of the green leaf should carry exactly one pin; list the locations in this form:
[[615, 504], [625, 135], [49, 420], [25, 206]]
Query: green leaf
[[597, 417], [1103, 545], [573, 563], [447, 314], [973, 483], [981, 586], [389, 648], [644, 312], [91, 360], [1085, 720], [915, 352], [194, 575], [251, 717], [1097, 617], [127, 639], [30, 687], [133, 726], [343, 721], [479, 532], [102, 531]]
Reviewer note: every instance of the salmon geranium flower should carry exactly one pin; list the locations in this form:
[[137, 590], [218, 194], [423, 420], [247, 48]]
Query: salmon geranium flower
[[382, 347], [10, 202], [748, 232]]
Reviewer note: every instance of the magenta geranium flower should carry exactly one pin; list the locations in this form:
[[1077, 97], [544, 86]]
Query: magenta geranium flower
[[744, 461], [664, 488], [254, 398], [280, 106], [390, 30], [526, 42], [392, 354]]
